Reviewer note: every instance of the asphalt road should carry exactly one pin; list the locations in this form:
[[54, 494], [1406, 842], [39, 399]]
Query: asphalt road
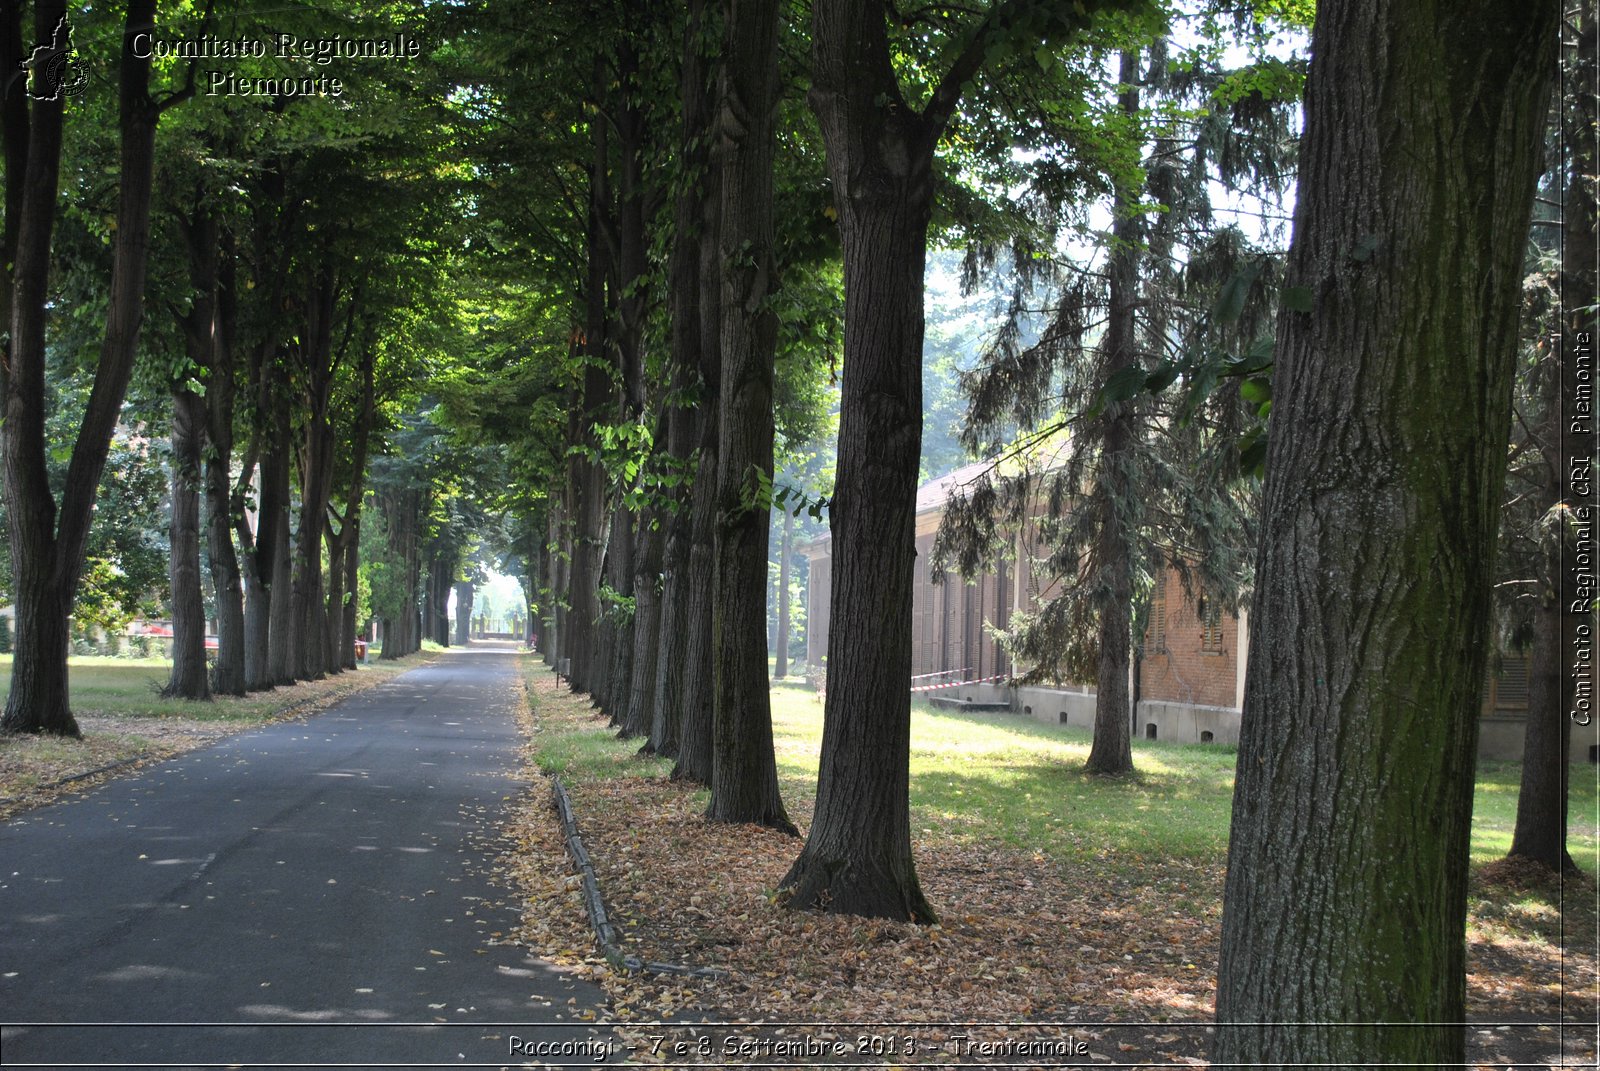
[[318, 892]]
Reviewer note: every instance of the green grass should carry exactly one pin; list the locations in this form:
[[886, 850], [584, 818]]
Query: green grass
[[130, 688], [1008, 779], [1001, 777], [594, 753]]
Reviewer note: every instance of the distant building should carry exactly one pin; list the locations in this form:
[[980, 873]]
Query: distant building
[[1190, 685]]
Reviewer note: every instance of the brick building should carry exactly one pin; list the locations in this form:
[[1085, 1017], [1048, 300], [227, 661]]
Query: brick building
[[1190, 682]]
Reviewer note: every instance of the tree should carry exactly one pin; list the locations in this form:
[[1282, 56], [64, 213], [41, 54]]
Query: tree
[[684, 291], [1148, 478], [880, 158], [1347, 865], [744, 781], [48, 539], [1540, 481], [190, 425]]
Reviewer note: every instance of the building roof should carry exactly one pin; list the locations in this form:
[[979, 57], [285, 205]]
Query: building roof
[[941, 489], [931, 497]]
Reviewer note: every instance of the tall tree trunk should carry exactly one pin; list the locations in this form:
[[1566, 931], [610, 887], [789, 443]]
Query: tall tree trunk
[[694, 737], [351, 621], [273, 538], [190, 424], [316, 355], [780, 665], [619, 632], [436, 598], [337, 543], [48, 546], [744, 779], [586, 478], [683, 285], [1541, 828], [257, 614], [14, 134], [857, 858], [552, 639], [666, 717], [228, 676], [641, 688], [633, 301], [254, 572], [188, 679], [266, 462], [1346, 889], [1115, 498]]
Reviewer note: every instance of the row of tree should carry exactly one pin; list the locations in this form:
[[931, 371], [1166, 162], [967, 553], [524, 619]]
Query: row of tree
[[274, 272], [578, 291], [1390, 385]]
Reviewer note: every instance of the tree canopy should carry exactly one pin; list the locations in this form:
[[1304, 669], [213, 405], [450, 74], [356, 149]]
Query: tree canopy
[[314, 314]]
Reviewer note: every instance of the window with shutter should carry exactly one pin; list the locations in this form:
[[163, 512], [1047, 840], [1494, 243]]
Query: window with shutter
[[1210, 626], [1158, 614]]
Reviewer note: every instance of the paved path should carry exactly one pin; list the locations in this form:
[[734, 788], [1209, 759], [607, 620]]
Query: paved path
[[327, 878]]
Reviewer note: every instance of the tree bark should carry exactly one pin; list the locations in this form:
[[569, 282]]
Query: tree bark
[[1540, 834], [1115, 497], [554, 574], [265, 464], [857, 858], [744, 779], [228, 675], [585, 477], [694, 738], [683, 296], [188, 679], [190, 425], [316, 462], [14, 134], [1346, 889], [641, 690], [1541, 829], [272, 535], [344, 546]]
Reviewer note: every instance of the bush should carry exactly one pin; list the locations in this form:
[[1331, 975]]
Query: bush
[[141, 646], [114, 644]]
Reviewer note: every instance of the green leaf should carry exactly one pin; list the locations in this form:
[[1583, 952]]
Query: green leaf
[[1161, 378], [1256, 389], [1253, 451], [1230, 302], [1123, 384]]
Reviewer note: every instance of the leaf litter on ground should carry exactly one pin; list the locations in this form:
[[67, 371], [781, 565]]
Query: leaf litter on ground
[[1117, 957]]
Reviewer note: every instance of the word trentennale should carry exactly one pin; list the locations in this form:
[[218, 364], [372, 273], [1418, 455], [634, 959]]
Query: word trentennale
[[320, 50]]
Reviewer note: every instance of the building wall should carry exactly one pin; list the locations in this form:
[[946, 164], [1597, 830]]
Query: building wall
[[1185, 662], [1190, 684], [950, 619]]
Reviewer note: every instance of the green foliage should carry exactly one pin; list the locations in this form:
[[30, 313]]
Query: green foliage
[[615, 605], [1203, 309], [382, 570], [5, 634]]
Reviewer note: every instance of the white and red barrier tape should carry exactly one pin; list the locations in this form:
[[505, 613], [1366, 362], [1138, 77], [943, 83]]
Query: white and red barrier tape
[[958, 684]]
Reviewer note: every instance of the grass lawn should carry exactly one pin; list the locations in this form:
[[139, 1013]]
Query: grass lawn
[[1008, 779], [124, 719], [1061, 895]]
